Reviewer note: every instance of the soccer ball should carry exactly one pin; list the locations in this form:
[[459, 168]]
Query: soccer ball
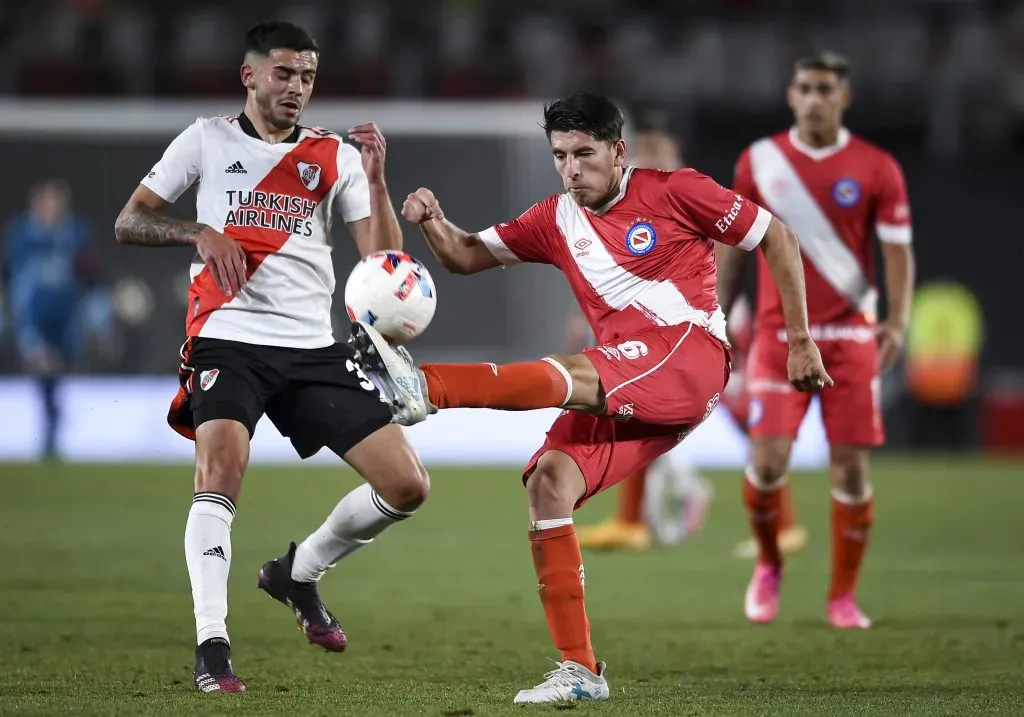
[[392, 292]]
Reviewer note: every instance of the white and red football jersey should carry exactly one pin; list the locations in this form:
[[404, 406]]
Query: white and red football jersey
[[836, 199], [645, 258], [277, 201]]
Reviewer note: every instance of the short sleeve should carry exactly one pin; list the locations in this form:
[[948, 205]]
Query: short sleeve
[[743, 177], [180, 166], [718, 213], [352, 200], [525, 239], [892, 210]]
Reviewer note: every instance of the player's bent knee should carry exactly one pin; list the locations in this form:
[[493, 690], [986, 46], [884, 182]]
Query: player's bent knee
[[409, 490], [586, 394], [390, 465]]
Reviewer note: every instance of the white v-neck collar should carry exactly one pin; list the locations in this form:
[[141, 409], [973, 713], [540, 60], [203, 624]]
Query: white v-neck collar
[[842, 140]]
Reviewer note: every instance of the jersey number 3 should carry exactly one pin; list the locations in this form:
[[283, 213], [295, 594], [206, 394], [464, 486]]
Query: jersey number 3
[[364, 382]]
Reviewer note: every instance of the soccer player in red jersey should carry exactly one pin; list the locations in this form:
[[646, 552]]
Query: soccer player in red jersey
[[634, 525], [839, 193], [636, 246]]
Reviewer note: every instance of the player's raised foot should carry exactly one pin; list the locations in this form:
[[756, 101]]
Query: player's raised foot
[[761, 603], [791, 540], [395, 374], [845, 614], [213, 671], [315, 621], [615, 534], [569, 682]]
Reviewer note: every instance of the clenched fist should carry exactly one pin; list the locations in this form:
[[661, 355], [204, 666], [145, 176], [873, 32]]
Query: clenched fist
[[421, 206]]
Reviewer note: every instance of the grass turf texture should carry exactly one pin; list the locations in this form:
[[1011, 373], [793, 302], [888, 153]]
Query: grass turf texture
[[442, 613]]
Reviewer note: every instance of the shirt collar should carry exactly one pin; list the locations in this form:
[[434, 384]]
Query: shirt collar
[[842, 140]]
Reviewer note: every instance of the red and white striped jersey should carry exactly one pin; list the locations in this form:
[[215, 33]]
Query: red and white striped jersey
[[645, 258], [277, 201], [836, 199]]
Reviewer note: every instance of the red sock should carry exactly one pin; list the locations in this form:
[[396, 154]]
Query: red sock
[[511, 387], [851, 523], [765, 510], [631, 498], [559, 565], [787, 518]]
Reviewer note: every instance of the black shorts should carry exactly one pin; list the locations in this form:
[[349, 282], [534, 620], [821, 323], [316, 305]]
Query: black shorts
[[315, 397]]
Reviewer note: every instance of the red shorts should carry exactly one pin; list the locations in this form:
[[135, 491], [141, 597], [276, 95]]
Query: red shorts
[[660, 385], [851, 409]]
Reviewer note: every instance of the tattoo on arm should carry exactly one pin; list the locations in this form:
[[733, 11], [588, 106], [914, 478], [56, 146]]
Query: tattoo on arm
[[144, 227]]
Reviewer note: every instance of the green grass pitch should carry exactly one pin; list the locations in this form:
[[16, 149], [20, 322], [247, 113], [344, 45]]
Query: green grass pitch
[[442, 613]]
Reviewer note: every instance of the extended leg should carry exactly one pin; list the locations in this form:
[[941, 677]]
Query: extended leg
[[554, 381]]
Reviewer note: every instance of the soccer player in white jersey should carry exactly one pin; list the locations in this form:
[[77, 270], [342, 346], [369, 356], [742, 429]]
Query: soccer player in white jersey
[[839, 193], [258, 327], [636, 246]]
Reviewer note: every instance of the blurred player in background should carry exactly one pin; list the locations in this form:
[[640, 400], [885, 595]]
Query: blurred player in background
[[636, 246], [48, 265], [839, 193], [673, 505], [259, 331]]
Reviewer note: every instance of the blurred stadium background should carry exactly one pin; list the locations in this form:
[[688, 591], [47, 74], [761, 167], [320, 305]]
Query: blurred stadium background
[[97, 617], [94, 89]]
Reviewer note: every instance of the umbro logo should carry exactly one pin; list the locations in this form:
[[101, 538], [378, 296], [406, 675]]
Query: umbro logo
[[236, 168], [217, 552]]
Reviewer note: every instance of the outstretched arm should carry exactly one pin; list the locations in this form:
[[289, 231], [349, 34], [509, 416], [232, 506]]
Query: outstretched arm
[[458, 251]]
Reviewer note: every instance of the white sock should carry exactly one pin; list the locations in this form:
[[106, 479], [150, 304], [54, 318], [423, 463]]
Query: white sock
[[208, 556], [361, 516]]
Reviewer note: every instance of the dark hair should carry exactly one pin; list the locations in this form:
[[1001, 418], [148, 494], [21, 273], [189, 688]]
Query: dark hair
[[826, 61], [278, 35], [592, 114]]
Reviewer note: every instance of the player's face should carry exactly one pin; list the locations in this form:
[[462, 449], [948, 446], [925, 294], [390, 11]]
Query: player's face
[[818, 99], [590, 168], [656, 150], [281, 84]]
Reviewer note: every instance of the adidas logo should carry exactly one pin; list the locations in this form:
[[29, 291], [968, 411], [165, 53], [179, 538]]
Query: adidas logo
[[217, 552], [236, 168]]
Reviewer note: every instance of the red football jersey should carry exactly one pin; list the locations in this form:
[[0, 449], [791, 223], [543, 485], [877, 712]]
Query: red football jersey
[[836, 199], [645, 258]]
